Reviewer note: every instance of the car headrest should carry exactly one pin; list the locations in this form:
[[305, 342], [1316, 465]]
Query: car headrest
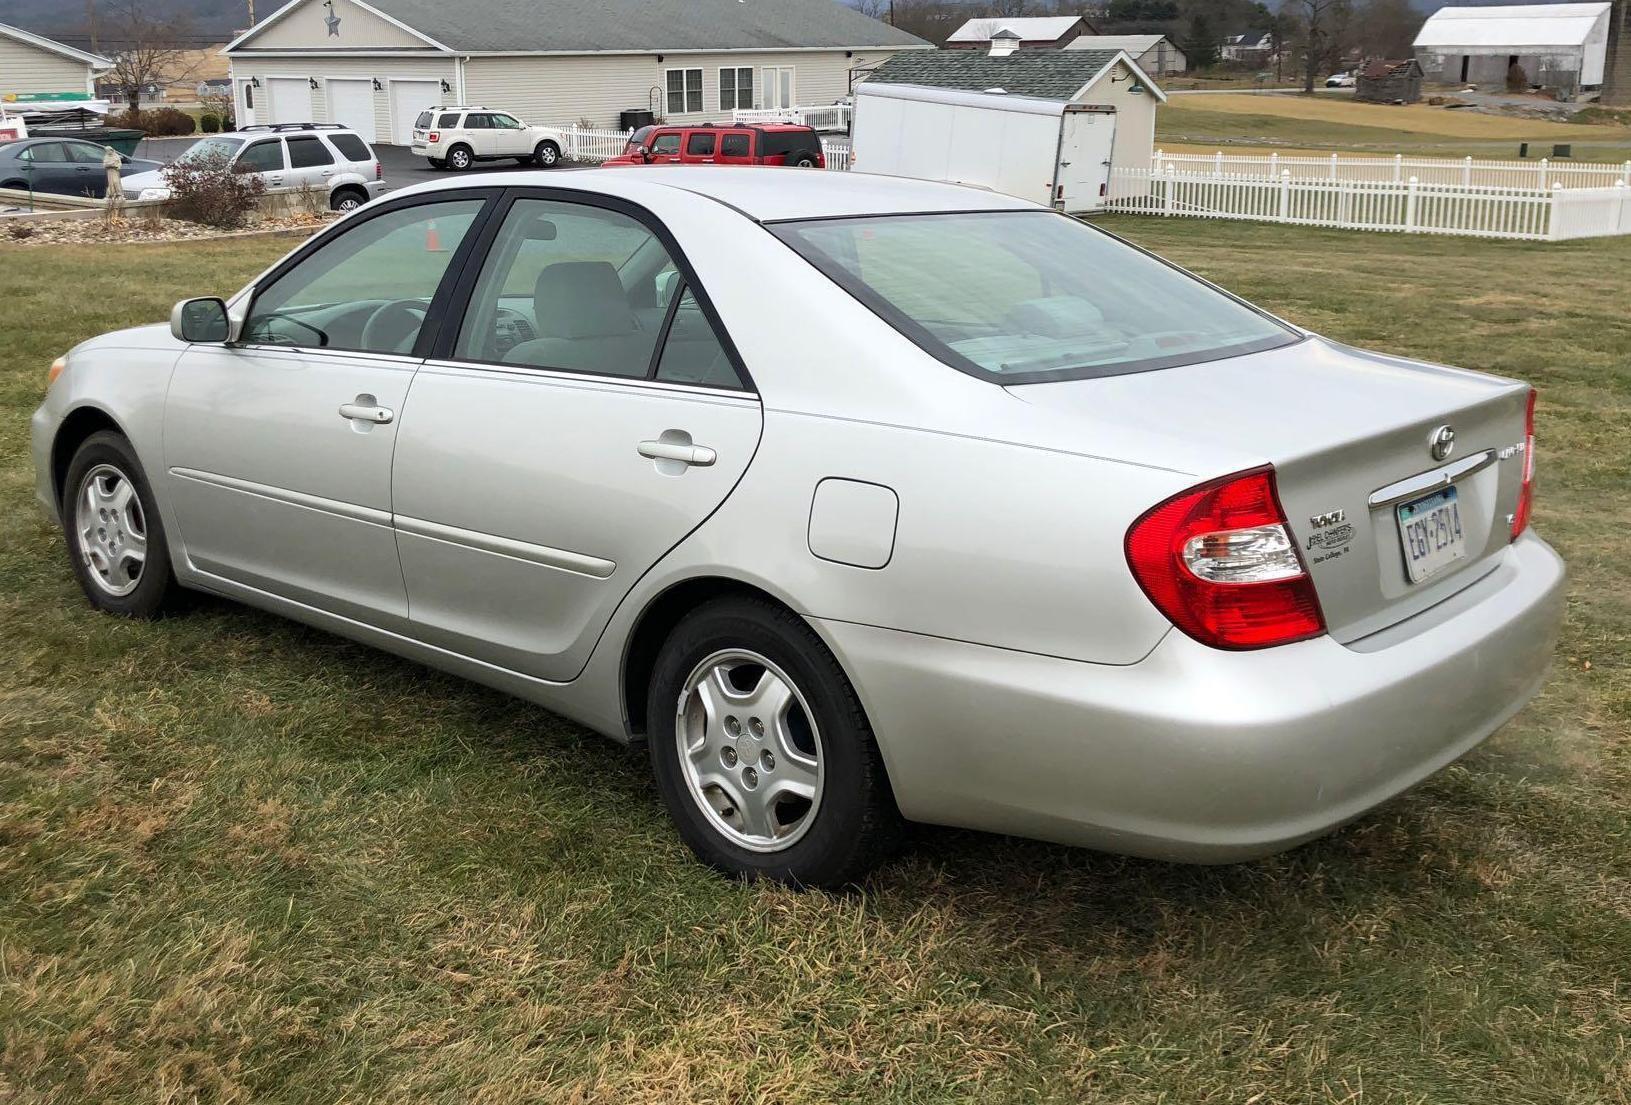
[[582, 299], [1058, 316]]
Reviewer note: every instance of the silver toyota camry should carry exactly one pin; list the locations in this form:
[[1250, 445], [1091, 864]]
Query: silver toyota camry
[[858, 500]]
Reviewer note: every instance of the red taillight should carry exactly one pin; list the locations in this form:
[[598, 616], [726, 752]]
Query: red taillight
[[1219, 561], [379, 171], [435, 136], [1526, 492]]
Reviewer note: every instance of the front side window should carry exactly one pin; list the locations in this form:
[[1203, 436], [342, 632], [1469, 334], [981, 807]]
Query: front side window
[[305, 153], [262, 157], [684, 91], [666, 143], [736, 88], [45, 153], [506, 122], [369, 287], [1020, 297], [700, 144]]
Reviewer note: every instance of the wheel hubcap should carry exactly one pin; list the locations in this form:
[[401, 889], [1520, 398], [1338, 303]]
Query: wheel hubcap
[[749, 750], [112, 530], [461, 159]]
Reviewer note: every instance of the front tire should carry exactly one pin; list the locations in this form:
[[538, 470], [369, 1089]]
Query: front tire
[[116, 540], [460, 158], [762, 752], [547, 155]]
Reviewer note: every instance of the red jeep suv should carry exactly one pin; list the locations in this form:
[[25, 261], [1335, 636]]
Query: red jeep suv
[[731, 144]]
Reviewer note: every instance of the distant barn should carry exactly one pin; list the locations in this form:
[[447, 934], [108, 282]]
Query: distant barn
[[1389, 82]]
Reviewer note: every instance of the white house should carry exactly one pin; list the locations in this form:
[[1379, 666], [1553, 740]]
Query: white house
[[376, 65], [35, 68], [1035, 32], [1559, 46], [1155, 54]]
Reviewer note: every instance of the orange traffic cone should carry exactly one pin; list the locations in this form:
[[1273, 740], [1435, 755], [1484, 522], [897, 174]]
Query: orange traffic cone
[[433, 241]]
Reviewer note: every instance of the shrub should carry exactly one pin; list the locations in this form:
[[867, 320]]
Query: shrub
[[209, 124], [205, 189], [164, 122]]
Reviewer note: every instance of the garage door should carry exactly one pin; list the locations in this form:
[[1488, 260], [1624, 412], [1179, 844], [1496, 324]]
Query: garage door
[[408, 99], [289, 100], [351, 104]]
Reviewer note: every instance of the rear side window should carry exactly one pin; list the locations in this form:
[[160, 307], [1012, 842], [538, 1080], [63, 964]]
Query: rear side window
[[478, 121], [700, 144], [351, 147], [692, 354], [449, 121], [306, 152], [789, 141], [736, 145]]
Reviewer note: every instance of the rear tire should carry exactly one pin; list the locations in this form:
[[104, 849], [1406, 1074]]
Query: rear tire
[[347, 199], [547, 155], [115, 537], [800, 159], [460, 158], [437, 163], [762, 752]]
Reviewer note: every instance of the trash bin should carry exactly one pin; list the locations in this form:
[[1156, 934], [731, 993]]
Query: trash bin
[[122, 139], [634, 119]]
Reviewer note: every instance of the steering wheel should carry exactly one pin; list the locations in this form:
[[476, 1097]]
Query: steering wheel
[[394, 326]]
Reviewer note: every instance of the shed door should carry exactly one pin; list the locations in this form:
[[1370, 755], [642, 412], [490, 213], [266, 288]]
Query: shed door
[[408, 99], [351, 104], [290, 100], [1084, 159]]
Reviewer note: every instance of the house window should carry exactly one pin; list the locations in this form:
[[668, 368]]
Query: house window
[[736, 88], [684, 91]]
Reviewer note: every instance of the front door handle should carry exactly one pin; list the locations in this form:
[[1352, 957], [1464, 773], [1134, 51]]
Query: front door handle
[[362, 412], [696, 456]]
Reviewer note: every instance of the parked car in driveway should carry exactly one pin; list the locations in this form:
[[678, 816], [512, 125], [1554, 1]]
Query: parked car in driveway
[[1033, 533], [458, 137], [1341, 80], [789, 144], [61, 166], [288, 157]]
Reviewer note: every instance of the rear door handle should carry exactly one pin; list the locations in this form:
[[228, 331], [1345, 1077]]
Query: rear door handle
[[359, 412], [697, 456]]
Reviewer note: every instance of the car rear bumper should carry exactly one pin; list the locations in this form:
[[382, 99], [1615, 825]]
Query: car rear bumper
[[1199, 755]]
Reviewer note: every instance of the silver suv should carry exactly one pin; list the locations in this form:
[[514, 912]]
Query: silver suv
[[288, 157], [456, 137]]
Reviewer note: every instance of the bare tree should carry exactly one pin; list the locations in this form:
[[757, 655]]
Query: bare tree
[[147, 48], [1323, 27]]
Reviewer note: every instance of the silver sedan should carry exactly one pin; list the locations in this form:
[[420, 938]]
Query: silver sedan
[[858, 500]]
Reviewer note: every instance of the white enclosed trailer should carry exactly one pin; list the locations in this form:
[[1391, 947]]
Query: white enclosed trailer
[[1049, 151]]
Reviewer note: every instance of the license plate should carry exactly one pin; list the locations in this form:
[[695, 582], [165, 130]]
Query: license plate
[[1430, 530]]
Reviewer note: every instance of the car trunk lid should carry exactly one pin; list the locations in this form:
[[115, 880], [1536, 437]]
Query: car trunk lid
[[1348, 434]]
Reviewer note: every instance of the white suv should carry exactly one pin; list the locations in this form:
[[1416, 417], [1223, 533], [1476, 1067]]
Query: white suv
[[458, 137], [288, 157]]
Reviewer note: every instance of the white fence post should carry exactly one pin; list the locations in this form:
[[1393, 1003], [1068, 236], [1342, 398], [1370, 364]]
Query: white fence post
[[1398, 167], [1333, 166], [1410, 207], [1274, 164], [1285, 195], [1625, 174], [1217, 164], [1466, 170], [1555, 229], [1544, 162]]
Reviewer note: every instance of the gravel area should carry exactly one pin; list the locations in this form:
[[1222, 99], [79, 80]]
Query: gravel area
[[140, 228]]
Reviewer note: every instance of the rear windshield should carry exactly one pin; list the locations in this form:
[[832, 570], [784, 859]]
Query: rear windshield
[[1023, 297], [423, 122]]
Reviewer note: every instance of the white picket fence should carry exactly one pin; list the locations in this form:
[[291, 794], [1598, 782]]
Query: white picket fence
[[585, 144], [830, 117], [1398, 169], [1408, 207]]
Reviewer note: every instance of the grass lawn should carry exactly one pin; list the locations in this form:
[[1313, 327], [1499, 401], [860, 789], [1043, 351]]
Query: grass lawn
[[1295, 123], [241, 860]]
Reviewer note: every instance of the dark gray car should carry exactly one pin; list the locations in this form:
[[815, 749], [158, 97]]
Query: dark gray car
[[61, 166]]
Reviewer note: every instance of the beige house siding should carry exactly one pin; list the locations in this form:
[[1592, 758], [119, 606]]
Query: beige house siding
[[306, 27], [434, 67], [26, 69], [597, 87]]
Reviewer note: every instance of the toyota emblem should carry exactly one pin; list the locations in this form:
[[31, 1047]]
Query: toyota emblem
[[1441, 442]]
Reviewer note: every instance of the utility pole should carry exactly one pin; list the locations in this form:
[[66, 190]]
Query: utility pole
[[251, 13], [90, 23]]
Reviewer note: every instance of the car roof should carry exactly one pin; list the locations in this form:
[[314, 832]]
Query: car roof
[[759, 193]]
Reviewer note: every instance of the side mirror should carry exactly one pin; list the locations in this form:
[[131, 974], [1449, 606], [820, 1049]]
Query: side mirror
[[201, 320], [644, 152]]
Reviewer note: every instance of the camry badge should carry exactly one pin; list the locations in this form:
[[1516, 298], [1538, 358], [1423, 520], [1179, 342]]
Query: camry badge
[[1441, 442]]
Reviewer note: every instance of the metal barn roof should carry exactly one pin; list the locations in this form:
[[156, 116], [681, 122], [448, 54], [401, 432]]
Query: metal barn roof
[[1028, 28], [1135, 45], [1514, 27]]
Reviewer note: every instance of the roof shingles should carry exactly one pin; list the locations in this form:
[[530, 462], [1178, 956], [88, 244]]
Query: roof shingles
[[1044, 74]]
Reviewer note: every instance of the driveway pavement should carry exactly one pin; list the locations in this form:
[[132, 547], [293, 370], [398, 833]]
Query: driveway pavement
[[401, 167]]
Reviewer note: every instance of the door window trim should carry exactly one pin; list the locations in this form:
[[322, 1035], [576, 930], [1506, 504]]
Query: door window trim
[[437, 311], [457, 308]]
